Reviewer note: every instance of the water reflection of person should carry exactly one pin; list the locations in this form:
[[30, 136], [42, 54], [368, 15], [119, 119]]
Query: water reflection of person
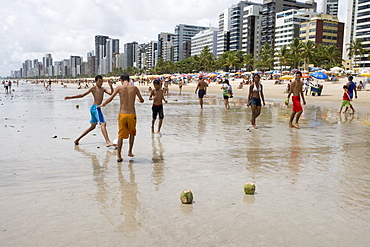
[[295, 153], [98, 172], [158, 162], [201, 126], [129, 201], [254, 154]]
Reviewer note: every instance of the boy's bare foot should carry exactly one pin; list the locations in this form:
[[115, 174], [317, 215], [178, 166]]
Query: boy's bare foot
[[297, 126], [291, 125], [255, 126], [76, 142], [130, 155], [153, 130], [119, 159], [109, 144]]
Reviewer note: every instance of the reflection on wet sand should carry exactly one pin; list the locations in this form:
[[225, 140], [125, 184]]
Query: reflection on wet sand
[[98, 172], [295, 158], [201, 127], [130, 204], [157, 161]]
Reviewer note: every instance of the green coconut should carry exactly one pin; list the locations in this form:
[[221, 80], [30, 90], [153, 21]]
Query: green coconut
[[249, 188], [186, 197]]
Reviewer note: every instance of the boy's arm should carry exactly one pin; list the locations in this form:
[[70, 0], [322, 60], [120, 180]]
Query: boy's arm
[[302, 95], [110, 98], [79, 96], [164, 98], [141, 100], [110, 83], [354, 89], [348, 95], [151, 97]]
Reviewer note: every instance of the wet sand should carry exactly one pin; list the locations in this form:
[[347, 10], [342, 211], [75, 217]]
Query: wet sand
[[312, 184]]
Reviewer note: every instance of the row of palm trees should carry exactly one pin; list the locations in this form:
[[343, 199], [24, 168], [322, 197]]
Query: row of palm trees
[[297, 54]]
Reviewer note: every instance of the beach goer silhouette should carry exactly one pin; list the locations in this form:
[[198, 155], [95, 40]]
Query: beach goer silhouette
[[157, 95]]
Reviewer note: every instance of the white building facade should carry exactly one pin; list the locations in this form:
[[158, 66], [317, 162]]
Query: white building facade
[[205, 38]]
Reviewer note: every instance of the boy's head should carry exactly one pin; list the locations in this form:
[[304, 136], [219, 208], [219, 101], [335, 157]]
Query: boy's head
[[125, 77], [298, 73], [350, 78], [345, 87], [157, 84], [99, 80]]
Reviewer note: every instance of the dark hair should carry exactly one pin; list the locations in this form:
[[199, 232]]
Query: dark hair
[[226, 81], [156, 81], [350, 77], [256, 75], [98, 77], [345, 87], [125, 77], [299, 73]]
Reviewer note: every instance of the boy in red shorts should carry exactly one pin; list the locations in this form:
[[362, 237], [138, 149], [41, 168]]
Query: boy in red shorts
[[296, 88]]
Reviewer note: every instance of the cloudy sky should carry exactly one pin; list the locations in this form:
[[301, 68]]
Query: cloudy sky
[[31, 28]]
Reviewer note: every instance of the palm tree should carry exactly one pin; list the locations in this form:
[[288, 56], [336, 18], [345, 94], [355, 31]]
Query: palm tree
[[283, 55], [249, 61], [266, 57], [356, 48], [308, 53], [334, 56], [206, 59], [295, 50], [229, 59]]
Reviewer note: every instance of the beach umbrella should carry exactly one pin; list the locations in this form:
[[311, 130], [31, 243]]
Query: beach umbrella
[[365, 74], [305, 76], [315, 69], [319, 75], [336, 69], [287, 77]]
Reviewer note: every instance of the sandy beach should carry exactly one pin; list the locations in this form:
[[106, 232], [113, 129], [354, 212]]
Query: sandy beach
[[312, 184]]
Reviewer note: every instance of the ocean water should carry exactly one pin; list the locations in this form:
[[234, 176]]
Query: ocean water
[[312, 184]]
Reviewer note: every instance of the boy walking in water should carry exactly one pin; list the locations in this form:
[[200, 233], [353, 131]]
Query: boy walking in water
[[157, 95], [96, 113], [346, 100], [297, 91], [202, 90], [127, 114]]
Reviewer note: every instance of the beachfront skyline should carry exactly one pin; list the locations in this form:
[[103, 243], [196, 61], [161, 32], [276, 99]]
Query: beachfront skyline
[[65, 28]]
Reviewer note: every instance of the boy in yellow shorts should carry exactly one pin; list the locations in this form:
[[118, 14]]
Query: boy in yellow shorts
[[127, 113]]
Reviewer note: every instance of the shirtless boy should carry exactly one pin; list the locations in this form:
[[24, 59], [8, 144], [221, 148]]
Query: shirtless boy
[[127, 114], [157, 95], [202, 90], [296, 88], [96, 113]]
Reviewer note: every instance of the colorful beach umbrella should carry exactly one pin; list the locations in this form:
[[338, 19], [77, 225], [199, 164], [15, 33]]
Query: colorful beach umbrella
[[319, 75], [287, 77], [365, 74]]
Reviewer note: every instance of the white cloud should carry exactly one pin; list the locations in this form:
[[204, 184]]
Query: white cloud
[[32, 28]]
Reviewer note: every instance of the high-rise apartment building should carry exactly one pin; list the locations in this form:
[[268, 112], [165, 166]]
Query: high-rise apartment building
[[100, 52], [47, 61], [358, 26], [166, 46], [271, 7], [75, 65], [184, 33], [331, 7], [323, 29], [151, 55], [205, 38], [251, 34], [223, 39], [130, 55]]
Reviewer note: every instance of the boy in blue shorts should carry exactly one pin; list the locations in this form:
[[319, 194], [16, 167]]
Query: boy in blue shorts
[[157, 95], [96, 113]]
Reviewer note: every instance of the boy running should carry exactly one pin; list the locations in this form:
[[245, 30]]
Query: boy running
[[346, 100], [96, 113], [157, 95]]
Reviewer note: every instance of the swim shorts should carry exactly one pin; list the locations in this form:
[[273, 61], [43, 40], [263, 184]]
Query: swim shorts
[[297, 107], [255, 101], [226, 97], [346, 103], [126, 125], [157, 109], [96, 115], [201, 93]]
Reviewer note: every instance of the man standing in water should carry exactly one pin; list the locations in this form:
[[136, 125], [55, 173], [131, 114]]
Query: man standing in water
[[127, 113], [202, 90], [96, 113], [297, 91], [351, 88]]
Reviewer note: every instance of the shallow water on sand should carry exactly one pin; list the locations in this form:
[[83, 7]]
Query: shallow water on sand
[[312, 184]]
